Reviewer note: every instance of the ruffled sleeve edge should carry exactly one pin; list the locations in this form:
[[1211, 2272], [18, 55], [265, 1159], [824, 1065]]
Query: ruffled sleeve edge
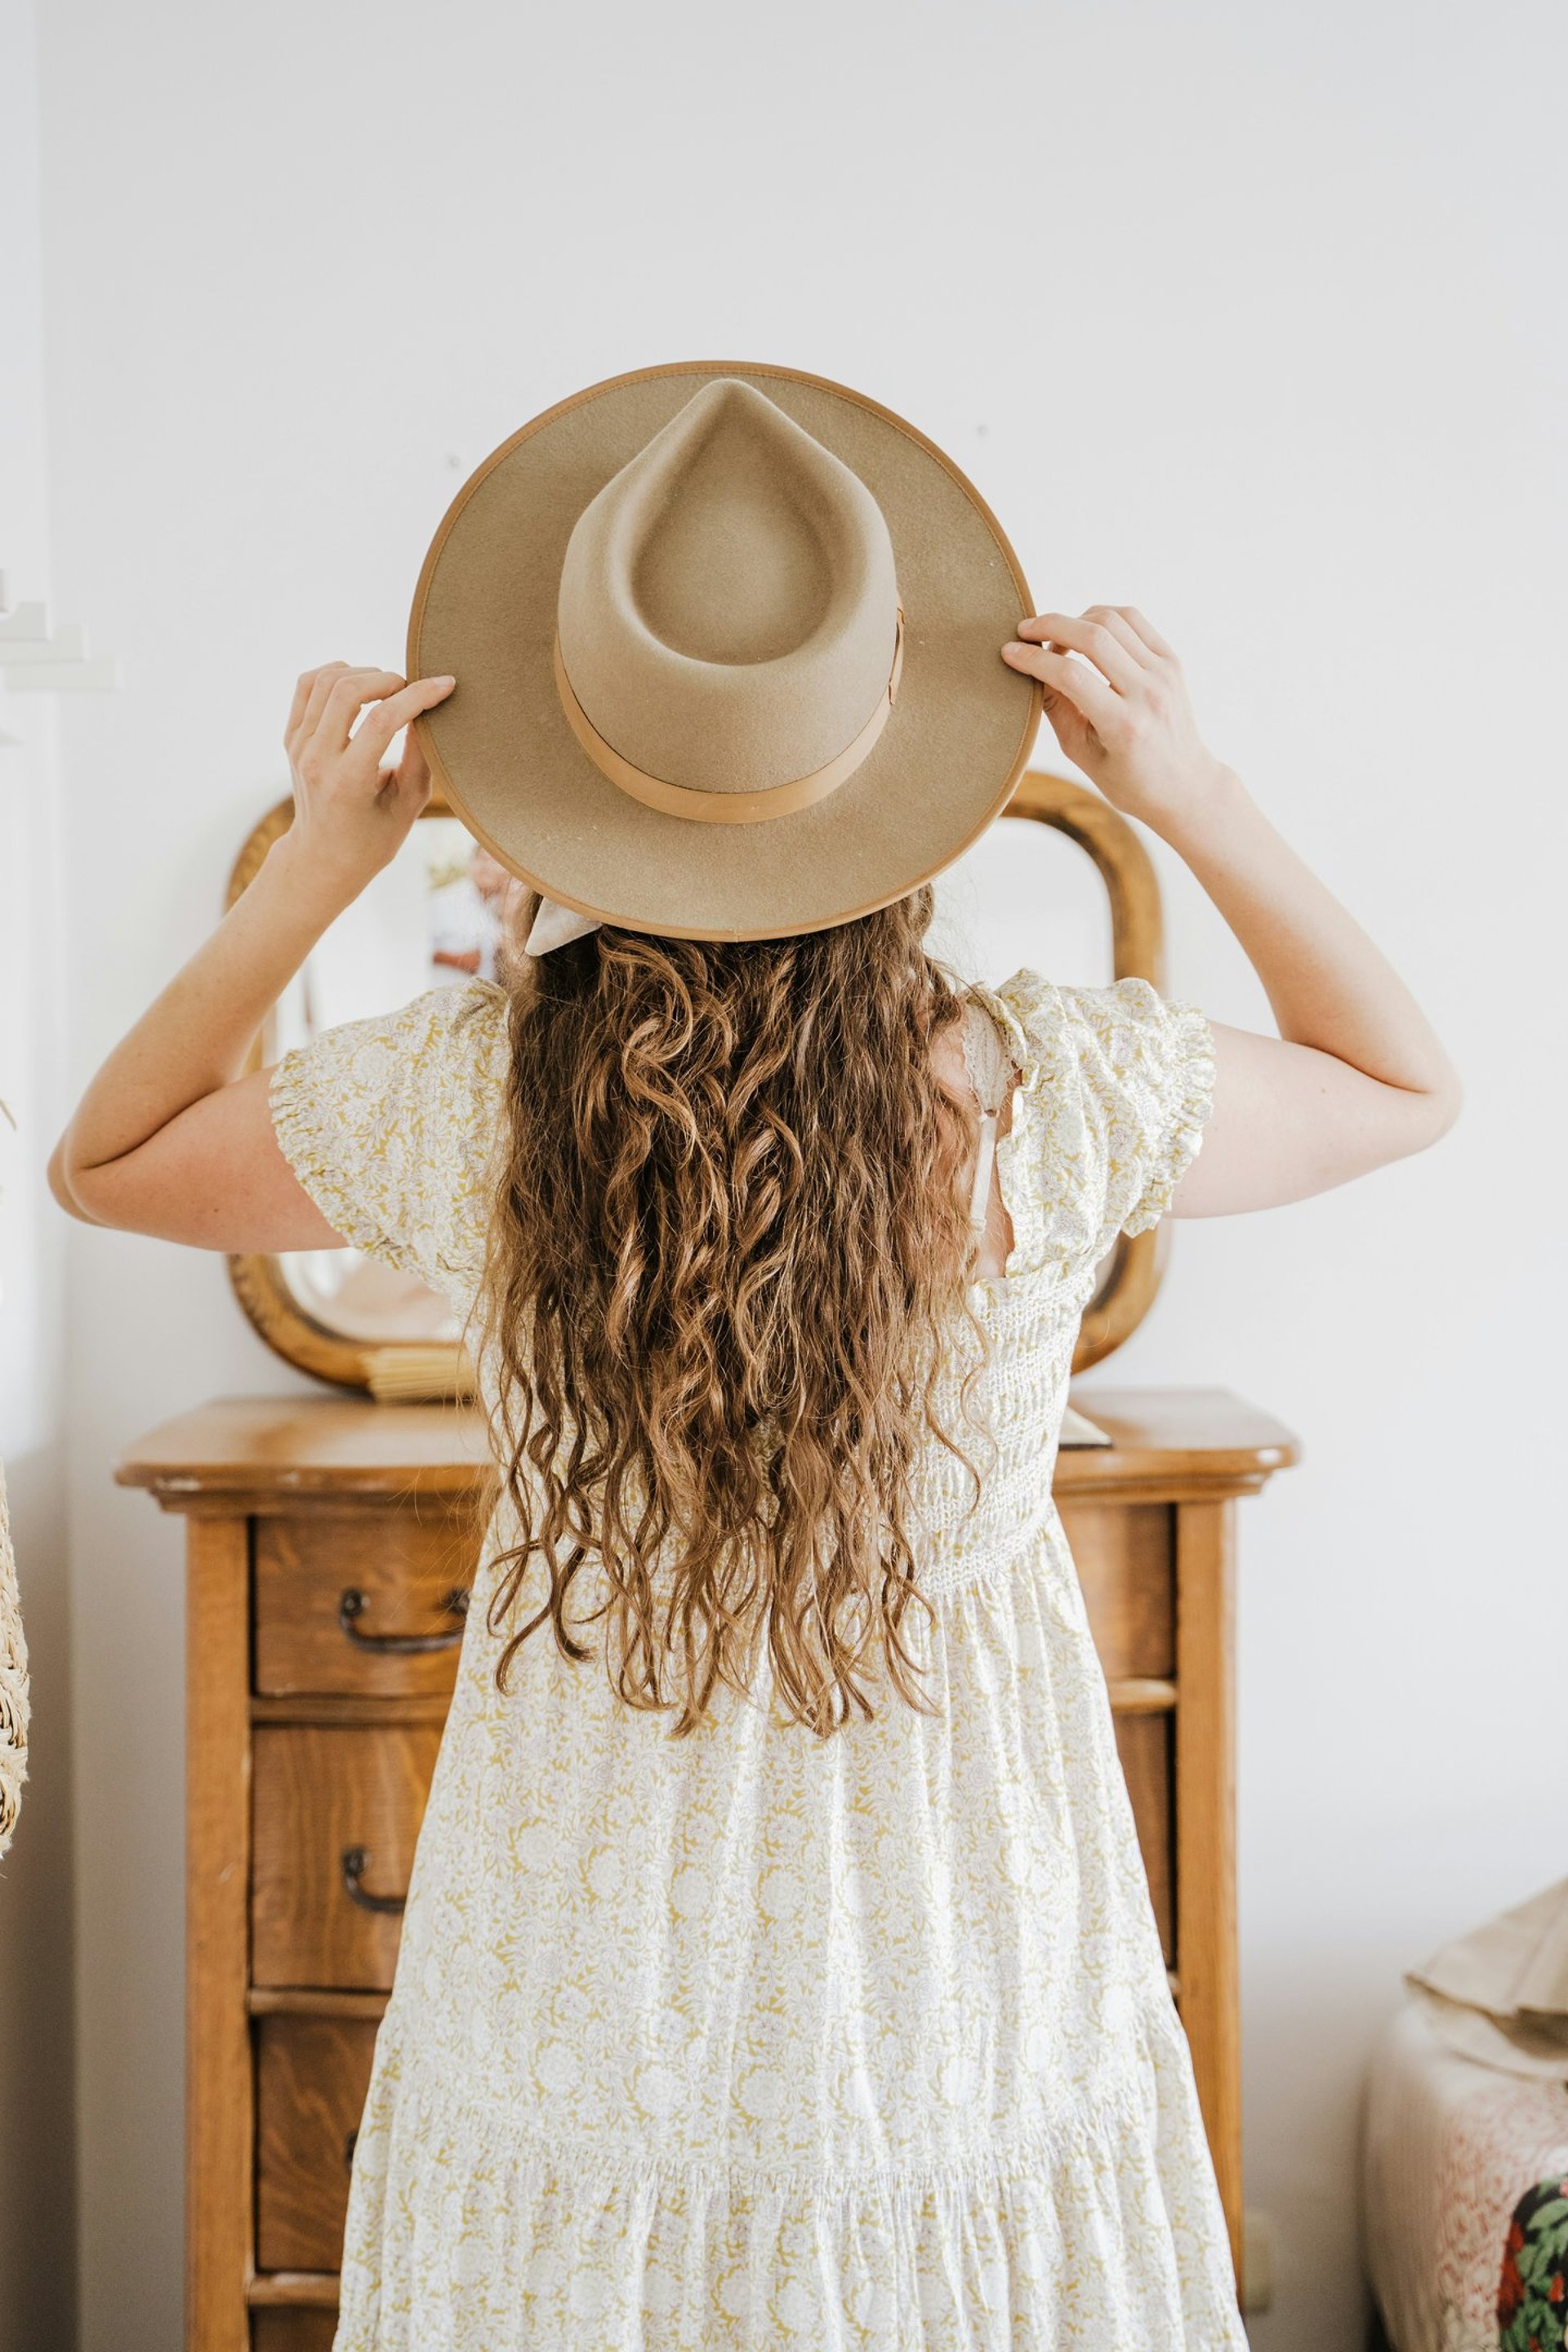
[[305, 1140], [1188, 1103]]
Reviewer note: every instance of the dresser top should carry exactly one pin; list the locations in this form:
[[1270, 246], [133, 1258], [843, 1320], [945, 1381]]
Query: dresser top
[[1171, 1439]]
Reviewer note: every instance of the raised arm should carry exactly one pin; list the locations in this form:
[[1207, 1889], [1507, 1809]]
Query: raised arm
[[168, 1138], [1356, 1076]]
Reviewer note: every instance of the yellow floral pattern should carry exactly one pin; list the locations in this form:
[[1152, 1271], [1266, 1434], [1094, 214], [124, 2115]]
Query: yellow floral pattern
[[751, 2039]]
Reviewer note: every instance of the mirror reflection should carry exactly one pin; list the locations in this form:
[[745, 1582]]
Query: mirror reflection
[[1026, 893], [432, 919]]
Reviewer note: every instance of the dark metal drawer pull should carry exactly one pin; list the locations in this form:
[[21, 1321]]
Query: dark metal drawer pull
[[356, 1861], [353, 1604]]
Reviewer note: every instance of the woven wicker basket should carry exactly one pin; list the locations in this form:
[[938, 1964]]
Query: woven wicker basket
[[14, 1690]]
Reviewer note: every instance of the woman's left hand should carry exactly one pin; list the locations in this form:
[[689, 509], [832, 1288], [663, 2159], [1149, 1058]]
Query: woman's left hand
[[351, 815], [1121, 712]]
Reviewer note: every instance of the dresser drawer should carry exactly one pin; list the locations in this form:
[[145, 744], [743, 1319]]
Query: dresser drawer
[[1125, 1556], [336, 1814], [369, 1603], [293, 2331], [312, 2076], [1145, 1744]]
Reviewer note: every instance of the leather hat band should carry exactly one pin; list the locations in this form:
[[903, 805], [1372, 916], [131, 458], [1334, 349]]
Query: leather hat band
[[726, 808]]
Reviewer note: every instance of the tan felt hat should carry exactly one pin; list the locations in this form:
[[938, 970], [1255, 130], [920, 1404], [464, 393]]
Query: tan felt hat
[[727, 641]]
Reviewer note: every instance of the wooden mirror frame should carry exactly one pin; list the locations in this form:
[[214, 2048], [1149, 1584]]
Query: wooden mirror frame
[[429, 1369]]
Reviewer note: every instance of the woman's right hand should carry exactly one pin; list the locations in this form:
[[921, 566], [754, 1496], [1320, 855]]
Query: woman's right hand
[[1122, 712], [350, 814]]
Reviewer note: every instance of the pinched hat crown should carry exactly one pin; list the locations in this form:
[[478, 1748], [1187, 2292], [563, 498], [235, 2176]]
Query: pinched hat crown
[[728, 631], [694, 593]]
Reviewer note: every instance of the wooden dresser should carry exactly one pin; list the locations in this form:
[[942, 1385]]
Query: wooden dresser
[[330, 1545]]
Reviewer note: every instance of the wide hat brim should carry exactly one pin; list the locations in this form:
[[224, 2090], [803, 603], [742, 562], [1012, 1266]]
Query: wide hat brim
[[502, 753]]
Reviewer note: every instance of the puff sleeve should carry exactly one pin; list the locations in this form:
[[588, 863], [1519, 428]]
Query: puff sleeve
[[1146, 1075], [1122, 1083], [390, 1125]]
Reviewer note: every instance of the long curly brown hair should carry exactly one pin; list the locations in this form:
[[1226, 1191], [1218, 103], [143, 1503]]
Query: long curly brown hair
[[727, 1264]]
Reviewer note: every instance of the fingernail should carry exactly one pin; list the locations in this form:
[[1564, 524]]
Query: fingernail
[[1011, 651]]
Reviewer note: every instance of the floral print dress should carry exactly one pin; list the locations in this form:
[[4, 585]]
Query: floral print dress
[[752, 2038]]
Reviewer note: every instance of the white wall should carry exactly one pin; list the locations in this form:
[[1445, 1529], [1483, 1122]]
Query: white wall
[[1247, 315], [38, 2154]]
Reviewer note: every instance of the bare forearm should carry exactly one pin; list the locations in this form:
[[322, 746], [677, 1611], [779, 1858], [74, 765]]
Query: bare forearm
[[1328, 985], [195, 1037]]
